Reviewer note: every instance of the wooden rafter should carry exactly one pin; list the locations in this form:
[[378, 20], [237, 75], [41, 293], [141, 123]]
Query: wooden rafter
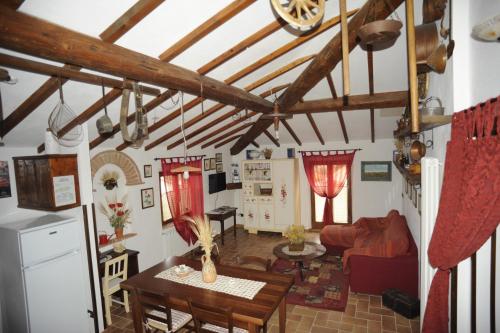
[[220, 144], [339, 112], [291, 131], [226, 135], [204, 29], [255, 144], [45, 91], [322, 64], [51, 41], [14, 4], [68, 73], [369, 54], [269, 135], [4, 75], [129, 19], [315, 128]]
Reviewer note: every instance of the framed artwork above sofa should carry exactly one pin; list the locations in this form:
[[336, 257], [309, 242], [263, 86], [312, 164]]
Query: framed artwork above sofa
[[376, 171]]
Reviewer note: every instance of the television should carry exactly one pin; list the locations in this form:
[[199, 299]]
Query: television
[[216, 182]]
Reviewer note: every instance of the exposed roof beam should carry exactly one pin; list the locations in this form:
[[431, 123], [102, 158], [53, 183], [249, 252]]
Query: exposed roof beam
[[315, 128], [255, 144], [47, 89], [291, 131], [356, 102], [129, 19], [276, 142], [225, 135], [339, 112], [205, 28], [4, 75], [27, 34], [14, 4], [369, 55], [71, 74], [324, 63], [226, 141]]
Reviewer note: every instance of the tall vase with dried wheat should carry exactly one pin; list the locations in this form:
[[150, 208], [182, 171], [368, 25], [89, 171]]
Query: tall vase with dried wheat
[[202, 230]]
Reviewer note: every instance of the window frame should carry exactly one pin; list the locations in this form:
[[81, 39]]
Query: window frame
[[170, 220], [319, 225]]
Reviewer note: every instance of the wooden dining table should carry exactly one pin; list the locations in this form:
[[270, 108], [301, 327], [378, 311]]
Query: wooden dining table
[[250, 314]]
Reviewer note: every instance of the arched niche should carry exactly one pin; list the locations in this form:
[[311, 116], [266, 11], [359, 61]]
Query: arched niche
[[121, 160]]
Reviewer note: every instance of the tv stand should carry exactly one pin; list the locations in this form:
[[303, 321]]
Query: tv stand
[[221, 214]]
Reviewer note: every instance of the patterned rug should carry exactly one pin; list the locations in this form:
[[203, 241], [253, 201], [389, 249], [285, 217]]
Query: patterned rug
[[324, 286]]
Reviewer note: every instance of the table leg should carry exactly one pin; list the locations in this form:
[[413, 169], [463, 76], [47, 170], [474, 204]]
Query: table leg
[[222, 231], [234, 225], [252, 328], [301, 269], [282, 315], [136, 316]]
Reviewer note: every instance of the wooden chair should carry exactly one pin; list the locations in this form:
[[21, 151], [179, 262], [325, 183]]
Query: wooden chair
[[158, 317], [115, 272], [253, 261], [208, 319]]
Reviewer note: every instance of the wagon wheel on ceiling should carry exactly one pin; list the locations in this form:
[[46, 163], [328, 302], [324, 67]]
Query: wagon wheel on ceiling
[[302, 13]]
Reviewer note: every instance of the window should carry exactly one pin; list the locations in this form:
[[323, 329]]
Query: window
[[166, 215], [341, 207]]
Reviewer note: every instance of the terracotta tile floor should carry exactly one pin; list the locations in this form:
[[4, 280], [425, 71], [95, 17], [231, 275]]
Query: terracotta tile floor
[[364, 313]]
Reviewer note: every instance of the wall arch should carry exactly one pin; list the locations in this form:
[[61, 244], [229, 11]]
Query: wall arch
[[121, 160]]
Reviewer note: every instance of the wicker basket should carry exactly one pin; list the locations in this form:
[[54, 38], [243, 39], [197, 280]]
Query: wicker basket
[[296, 247]]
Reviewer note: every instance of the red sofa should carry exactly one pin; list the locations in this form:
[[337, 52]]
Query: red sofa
[[378, 253]]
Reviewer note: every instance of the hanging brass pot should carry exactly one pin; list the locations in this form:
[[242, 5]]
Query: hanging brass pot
[[417, 151]]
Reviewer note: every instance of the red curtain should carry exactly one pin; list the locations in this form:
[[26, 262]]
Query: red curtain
[[469, 209], [327, 175], [185, 197]]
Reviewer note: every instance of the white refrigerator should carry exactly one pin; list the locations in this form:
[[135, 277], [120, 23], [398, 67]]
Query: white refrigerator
[[42, 276]]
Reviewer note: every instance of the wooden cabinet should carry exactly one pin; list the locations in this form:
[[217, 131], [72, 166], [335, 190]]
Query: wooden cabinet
[[47, 182]]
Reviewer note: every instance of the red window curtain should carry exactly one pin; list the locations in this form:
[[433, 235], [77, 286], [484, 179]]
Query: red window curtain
[[327, 175], [469, 209], [185, 197]]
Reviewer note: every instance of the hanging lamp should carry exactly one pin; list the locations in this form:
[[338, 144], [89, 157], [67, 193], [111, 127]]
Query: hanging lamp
[[276, 116], [184, 169]]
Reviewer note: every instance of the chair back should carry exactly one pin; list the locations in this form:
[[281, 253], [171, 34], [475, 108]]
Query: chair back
[[260, 262], [148, 303], [116, 268], [218, 316]]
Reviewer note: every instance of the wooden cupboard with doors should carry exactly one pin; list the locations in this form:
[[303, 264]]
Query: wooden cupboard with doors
[[270, 196]]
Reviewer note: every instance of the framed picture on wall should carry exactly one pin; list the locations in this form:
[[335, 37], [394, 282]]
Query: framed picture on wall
[[415, 196], [212, 164], [218, 157], [376, 171], [206, 164], [419, 203], [147, 198], [5, 191], [218, 167], [148, 171]]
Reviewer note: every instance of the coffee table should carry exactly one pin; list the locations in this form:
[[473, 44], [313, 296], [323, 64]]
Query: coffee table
[[311, 251]]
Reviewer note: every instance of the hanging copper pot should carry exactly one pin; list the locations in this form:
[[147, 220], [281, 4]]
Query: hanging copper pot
[[426, 41], [417, 151], [380, 34]]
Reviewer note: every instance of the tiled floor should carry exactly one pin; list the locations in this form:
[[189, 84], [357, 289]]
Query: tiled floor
[[364, 313]]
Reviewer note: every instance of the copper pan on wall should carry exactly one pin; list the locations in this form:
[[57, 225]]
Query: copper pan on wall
[[426, 42]]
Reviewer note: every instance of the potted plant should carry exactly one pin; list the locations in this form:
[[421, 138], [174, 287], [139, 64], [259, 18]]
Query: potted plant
[[267, 152], [117, 213], [202, 229], [296, 235]]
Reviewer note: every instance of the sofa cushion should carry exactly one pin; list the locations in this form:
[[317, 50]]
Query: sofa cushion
[[338, 235]]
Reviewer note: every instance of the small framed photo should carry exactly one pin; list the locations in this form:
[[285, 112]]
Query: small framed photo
[[410, 192], [407, 186], [148, 171], [147, 198], [218, 167], [206, 164], [415, 196], [376, 171], [419, 203], [212, 164], [218, 158]]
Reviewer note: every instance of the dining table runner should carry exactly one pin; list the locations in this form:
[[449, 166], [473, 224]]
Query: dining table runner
[[224, 284]]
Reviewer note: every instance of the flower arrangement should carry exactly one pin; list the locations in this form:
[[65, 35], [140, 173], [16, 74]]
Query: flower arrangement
[[202, 229], [116, 212], [295, 234]]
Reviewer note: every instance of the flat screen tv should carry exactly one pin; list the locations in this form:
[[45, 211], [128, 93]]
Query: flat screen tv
[[216, 182]]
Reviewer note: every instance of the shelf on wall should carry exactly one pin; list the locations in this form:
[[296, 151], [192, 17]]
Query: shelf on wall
[[114, 240], [412, 179], [426, 123], [233, 186]]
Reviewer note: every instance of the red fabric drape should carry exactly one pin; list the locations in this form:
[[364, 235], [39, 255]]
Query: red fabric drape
[[469, 209], [185, 197], [327, 175]]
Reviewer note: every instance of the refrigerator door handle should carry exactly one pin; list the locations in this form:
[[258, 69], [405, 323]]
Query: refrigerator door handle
[[40, 263]]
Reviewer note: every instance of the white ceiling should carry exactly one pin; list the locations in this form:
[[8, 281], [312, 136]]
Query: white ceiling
[[174, 19]]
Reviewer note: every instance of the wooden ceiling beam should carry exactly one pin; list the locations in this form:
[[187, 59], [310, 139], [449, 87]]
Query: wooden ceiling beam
[[356, 102], [323, 64], [291, 131], [27, 34], [315, 128], [43, 93], [269, 135], [71, 74], [369, 54], [226, 135], [255, 144], [205, 28], [14, 4], [226, 141], [339, 112], [4, 75], [129, 19]]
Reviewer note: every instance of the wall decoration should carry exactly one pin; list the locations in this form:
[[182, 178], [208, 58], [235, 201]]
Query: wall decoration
[[283, 193], [218, 167], [5, 191], [110, 179], [147, 198], [419, 203], [121, 160], [235, 172], [376, 171], [212, 164], [218, 157], [252, 154], [64, 190], [206, 164], [148, 171], [290, 152], [415, 196]]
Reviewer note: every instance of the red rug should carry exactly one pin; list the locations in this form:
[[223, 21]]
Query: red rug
[[325, 285]]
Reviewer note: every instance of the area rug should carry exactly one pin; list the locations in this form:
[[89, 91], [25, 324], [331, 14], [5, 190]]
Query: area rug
[[325, 285]]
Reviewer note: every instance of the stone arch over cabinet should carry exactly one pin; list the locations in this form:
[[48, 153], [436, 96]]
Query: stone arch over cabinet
[[121, 160]]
